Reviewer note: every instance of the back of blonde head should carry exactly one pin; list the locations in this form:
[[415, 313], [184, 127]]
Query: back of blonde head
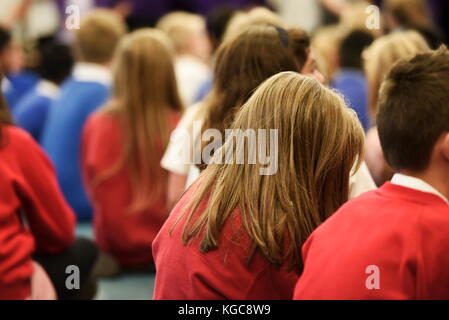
[[383, 53], [319, 140], [180, 27], [257, 16], [99, 34]]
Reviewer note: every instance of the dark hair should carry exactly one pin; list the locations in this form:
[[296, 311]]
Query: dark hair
[[5, 38], [217, 21], [55, 61], [413, 109], [351, 48]]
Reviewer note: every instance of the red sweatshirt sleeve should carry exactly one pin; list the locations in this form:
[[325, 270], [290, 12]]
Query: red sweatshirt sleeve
[[51, 220]]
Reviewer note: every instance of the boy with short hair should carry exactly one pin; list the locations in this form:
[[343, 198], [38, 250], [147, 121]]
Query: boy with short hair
[[55, 65], [393, 243], [95, 43], [350, 79]]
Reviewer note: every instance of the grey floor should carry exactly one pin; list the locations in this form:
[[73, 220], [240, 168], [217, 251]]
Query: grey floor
[[127, 287]]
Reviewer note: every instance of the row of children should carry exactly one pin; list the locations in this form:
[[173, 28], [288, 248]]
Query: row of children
[[234, 233]]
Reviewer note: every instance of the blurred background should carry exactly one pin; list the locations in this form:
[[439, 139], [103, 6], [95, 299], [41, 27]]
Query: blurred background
[[340, 30]]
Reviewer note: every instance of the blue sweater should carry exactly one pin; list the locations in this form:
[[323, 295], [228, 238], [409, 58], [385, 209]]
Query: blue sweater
[[20, 85], [352, 84], [62, 137], [30, 113]]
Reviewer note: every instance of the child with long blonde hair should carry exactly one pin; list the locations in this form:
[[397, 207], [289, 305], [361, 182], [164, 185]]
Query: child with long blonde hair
[[242, 63], [237, 234], [123, 144]]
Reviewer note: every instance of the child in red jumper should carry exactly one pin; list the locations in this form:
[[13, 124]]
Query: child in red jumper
[[122, 147], [35, 221], [237, 232], [393, 243]]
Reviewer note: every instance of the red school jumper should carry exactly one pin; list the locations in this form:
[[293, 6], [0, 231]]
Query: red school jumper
[[34, 217], [391, 243], [126, 236], [184, 273]]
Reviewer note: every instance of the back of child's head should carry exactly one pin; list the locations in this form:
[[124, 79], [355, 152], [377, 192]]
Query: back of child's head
[[99, 33], [145, 91], [246, 60], [258, 16], [351, 49], [414, 109], [55, 61], [217, 22], [382, 54], [143, 69], [188, 33], [5, 38], [408, 13]]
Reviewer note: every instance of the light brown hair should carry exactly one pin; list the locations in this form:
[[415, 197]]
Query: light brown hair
[[99, 33], [414, 109], [244, 62], [409, 13], [145, 94], [319, 141], [380, 57], [180, 26]]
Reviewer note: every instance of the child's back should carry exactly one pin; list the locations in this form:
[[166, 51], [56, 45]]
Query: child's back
[[46, 224], [124, 234], [62, 135]]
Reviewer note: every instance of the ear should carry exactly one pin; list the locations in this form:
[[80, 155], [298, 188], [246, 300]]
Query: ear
[[445, 146]]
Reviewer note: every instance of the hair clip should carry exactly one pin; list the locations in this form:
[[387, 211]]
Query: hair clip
[[283, 35]]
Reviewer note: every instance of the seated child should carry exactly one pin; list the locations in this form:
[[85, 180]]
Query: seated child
[[17, 81], [350, 79], [393, 243], [237, 231], [188, 33], [37, 226], [55, 65], [122, 147], [87, 89]]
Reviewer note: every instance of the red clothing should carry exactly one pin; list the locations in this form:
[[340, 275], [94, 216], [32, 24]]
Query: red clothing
[[34, 216], [402, 231], [127, 236], [184, 273]]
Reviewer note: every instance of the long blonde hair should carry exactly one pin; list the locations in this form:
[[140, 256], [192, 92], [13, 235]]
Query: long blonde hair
[[319, 141], [145, 92], [383, 53], [244, 62]]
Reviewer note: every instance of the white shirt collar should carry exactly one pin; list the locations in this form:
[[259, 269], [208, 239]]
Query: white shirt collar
[[5, 84], [47, 89], [417, 184], [91, 72]]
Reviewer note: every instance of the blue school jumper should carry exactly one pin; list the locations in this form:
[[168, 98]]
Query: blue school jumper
[[352, 84], [31, 111], [83, 93], [18, 86]]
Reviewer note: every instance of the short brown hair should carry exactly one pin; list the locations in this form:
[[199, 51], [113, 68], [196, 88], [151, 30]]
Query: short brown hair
[[414, 109], [100, 32]]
